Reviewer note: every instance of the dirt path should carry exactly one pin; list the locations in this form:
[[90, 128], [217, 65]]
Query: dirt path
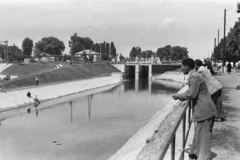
[[226, 135]]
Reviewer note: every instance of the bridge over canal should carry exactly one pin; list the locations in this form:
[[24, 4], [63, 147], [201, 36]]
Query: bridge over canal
[[144, 69]]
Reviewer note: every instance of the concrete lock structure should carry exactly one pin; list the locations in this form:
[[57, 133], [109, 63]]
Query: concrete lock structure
[[144, 69]]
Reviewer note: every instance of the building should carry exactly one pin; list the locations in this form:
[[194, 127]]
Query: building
[[96, 55]]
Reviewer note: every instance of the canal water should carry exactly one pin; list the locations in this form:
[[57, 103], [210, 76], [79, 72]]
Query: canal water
[[89, 126]]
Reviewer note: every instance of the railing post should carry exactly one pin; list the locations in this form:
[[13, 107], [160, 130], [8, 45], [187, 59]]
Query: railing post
[[183, 134], [189, 114], [173, 148]]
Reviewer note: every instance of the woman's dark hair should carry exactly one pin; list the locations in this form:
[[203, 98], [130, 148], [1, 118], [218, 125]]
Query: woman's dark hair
[[188, 62], [198, 62]]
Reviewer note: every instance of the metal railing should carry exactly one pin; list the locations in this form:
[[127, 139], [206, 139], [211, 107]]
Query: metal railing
[[166, 136], [171, 138]]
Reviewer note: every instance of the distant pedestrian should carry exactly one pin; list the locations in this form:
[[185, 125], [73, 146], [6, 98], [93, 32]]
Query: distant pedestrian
[[36, 81], [231, 64], [219, 66], [237, 66], [229, 67]]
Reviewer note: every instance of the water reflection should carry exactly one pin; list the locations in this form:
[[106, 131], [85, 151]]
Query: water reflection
[[29, 111], [71, 106], [139, 85], [152, 87], [89, 106]]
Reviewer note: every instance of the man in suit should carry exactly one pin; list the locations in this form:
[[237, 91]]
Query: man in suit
[[214, 88], [204, 111]]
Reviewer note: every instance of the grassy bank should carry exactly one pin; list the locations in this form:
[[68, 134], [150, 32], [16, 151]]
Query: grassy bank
[[48, 73]]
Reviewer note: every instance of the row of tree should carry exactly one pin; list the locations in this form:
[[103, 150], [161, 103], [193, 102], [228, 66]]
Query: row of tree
[[168, 53], [54, 46], [232, 44]]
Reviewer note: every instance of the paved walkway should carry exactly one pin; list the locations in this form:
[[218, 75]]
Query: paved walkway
[[226, 135]]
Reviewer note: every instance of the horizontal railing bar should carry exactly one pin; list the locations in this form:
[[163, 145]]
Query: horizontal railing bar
[[169, 138]]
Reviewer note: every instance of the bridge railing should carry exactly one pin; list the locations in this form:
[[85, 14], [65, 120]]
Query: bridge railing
[[166, 136]]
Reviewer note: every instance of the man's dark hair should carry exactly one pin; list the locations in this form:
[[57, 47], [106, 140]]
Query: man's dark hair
[[198, 62], [188, 62]]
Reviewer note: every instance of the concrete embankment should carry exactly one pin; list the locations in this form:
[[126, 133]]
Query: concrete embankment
[[134, 146], [4, 66], [18, 98]]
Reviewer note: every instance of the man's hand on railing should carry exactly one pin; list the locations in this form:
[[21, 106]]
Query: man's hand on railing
[[174, 97]]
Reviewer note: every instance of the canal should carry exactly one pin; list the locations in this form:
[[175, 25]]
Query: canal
[[85, 126]]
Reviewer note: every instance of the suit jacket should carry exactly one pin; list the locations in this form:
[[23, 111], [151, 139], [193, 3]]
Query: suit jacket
[[203, 106], [212, 83]]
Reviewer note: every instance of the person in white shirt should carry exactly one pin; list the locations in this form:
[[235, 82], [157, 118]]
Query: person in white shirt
[[214, 87], [219, 66]]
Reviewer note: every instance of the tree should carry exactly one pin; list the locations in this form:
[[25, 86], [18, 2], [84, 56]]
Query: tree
[[121, 57], [103, 47], [104, 56], [133, 53], [179, 53], [138, 49], [50, 45], [78, 44], [149, 54], [168, 51], [14, 53], [173, 53], [108, 49], [96, 47], [27, 46], [144, 54], [238, 7], [112, 51], [161, 53]]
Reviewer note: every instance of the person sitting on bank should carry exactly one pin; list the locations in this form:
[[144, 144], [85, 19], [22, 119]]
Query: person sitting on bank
[[36, 102], [204, 111], [214, 88]]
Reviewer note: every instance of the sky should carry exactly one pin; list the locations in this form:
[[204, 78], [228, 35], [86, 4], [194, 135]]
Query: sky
[[149, 24]]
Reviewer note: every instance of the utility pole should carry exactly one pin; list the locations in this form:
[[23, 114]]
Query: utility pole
[[214, 43], [100, 51], [214, 47], [224, 40], [218, 54]]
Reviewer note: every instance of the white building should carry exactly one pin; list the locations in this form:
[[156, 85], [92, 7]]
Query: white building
[[96, 55]]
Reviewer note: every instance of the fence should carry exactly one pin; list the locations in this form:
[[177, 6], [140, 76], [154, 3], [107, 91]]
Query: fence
[[166, 136]]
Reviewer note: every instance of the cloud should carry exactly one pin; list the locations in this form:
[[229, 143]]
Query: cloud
[[99, 25], [166, 23]]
